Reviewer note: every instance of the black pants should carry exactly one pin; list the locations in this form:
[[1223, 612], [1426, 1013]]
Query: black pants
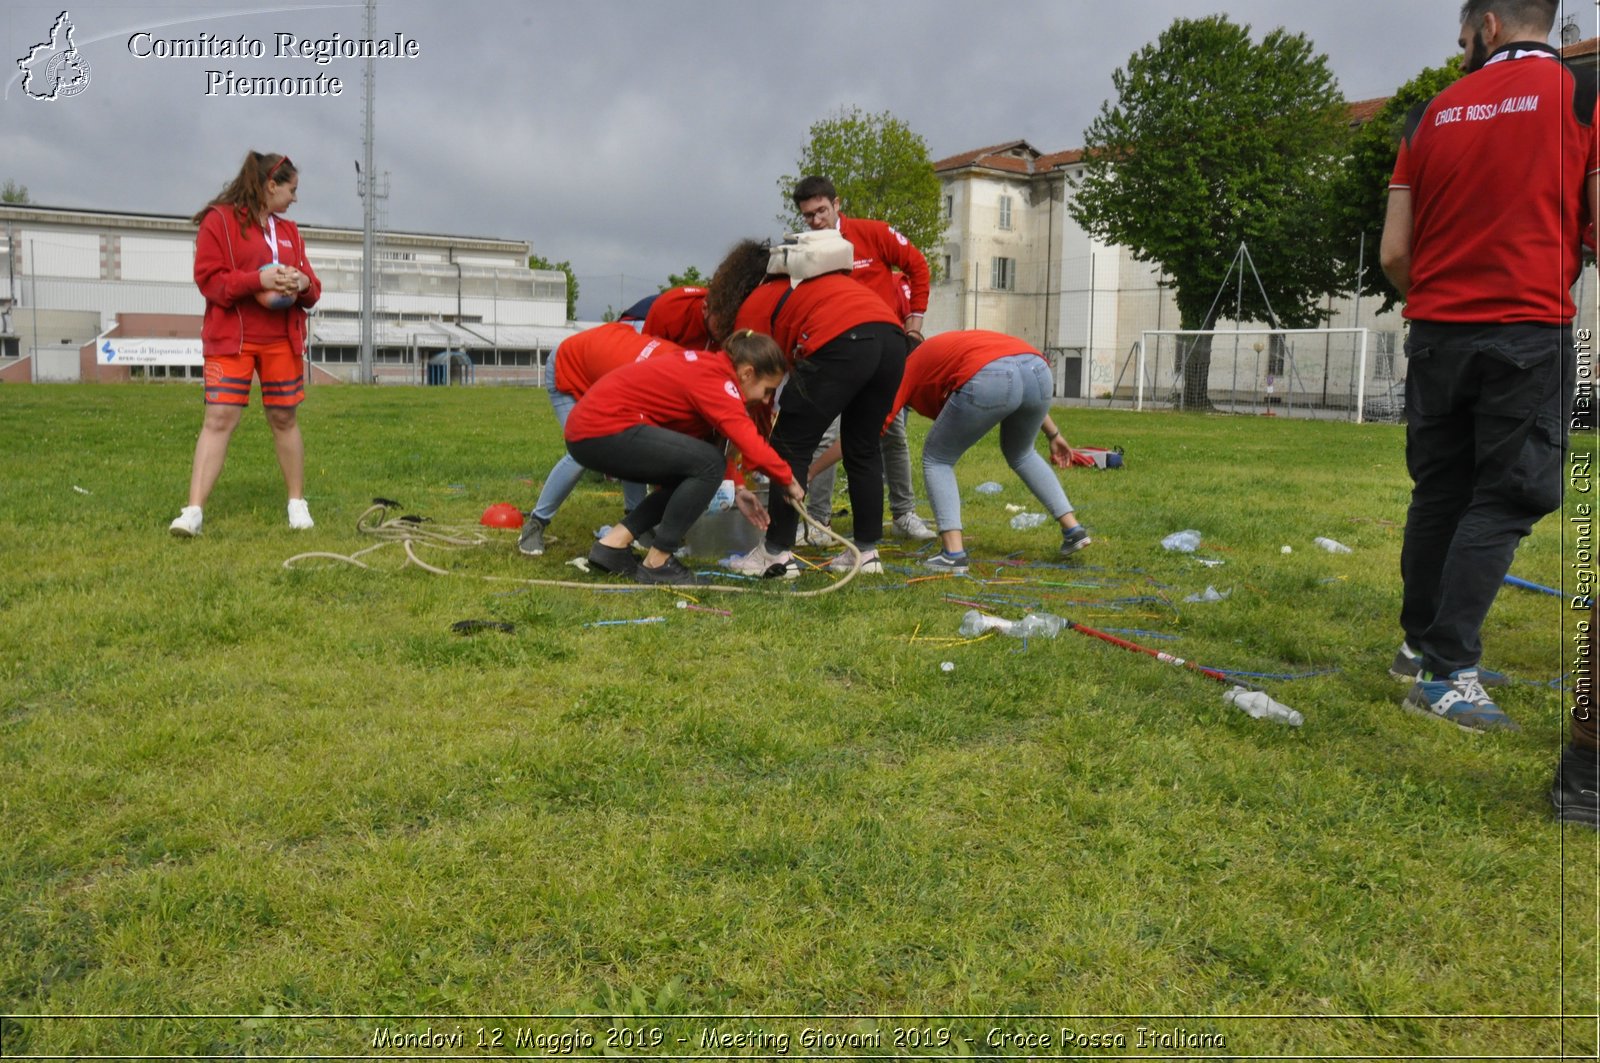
[[852, 377], [688, 470], [1485, 429]]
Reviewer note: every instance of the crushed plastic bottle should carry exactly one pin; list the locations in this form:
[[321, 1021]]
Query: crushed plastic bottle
[[1210, 594], [988, 487], [1186, 541], [1028, 520], [1333, 546], [1257, 705], [1037, 625], [1034, 625]]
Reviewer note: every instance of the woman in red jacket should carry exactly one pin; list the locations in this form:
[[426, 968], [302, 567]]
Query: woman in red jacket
[[251, 266], [654, 422]]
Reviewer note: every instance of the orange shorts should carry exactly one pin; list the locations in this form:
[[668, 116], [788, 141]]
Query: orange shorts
[[283, 381]]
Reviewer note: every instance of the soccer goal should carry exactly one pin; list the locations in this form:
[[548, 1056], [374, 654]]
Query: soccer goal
[[1326, 372]]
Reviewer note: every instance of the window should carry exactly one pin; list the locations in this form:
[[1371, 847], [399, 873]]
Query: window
[[1005, 213], [945, 267], [1003, 274], [949, 207]]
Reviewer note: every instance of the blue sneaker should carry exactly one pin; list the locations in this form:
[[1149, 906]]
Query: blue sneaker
[[1408, 665], [1459, 698], [945, 561]]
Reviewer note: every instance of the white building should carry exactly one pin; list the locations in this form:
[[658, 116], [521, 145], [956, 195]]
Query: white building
[[70, 280]]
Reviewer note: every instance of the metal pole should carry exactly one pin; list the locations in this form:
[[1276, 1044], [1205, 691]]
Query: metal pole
[[33, 347], [368, 211]]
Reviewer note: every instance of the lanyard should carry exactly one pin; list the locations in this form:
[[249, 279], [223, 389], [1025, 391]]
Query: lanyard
[[272, 236]]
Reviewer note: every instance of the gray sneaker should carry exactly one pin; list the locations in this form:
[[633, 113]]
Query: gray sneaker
[[531, 542], [1074, 539], [910, 526]]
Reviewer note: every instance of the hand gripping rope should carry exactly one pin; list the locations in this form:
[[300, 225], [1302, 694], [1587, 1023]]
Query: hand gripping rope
[[412, 532]]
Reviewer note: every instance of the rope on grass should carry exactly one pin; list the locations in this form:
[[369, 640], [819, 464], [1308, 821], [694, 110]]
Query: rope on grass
[[411, 532]]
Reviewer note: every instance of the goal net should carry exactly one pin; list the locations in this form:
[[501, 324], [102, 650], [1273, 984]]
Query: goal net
[[1326, 372]]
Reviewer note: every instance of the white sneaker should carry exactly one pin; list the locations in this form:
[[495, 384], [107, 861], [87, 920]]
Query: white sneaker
[[911, 526], [808, 536], [758, 562], [187, 526], [871, 563], [300, 515]]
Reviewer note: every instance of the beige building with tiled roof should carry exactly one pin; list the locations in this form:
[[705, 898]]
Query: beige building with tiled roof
[[1013, 260]]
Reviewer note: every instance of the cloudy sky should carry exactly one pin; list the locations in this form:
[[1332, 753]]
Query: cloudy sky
[[632, 137]]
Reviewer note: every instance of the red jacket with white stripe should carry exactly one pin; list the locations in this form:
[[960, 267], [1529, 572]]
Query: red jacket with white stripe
[[695, 393], [879, 246], [228, 257]]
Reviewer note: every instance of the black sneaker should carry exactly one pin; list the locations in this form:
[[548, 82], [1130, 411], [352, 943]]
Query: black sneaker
[[1575, 794], [531, 542], [670, 573], [618, 560]]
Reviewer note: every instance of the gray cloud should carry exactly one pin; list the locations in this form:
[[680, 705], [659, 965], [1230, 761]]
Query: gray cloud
[[632, 138]]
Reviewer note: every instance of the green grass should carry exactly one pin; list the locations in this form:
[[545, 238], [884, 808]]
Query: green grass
[[235, 790]]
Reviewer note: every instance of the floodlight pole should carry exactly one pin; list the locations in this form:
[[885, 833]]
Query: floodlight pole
[[367, 187]]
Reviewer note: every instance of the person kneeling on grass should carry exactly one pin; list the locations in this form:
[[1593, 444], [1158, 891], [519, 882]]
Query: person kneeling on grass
[[968, 382], [654, 422]]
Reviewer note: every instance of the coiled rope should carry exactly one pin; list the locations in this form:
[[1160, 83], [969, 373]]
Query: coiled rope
[[411, 532]]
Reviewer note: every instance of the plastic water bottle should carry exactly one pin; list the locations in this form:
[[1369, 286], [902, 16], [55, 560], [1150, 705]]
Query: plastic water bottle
[[974, 623], [1257, 705], [1333, 546], [723, 499], [1186, 541], [988, 487], [1037, 625], [1027, 520]]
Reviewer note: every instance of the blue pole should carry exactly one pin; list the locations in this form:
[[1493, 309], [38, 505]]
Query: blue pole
[[1528, 586]]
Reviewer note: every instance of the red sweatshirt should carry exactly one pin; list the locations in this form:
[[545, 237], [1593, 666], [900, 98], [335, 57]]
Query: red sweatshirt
[[678, 314], [228, 257], [945, 362], [587, 356], [880, 246], [819, 310], [695, 393]]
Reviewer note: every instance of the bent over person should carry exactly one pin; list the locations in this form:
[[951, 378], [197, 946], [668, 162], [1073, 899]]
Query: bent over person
[[1495, 179]]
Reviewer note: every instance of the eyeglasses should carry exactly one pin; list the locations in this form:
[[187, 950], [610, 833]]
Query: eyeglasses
[[820, 212], [281, 160]]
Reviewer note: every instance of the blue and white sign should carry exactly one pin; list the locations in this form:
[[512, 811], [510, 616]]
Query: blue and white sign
[[150, 352]]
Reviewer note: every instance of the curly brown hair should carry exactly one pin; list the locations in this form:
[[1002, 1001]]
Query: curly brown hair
[[736, 276]]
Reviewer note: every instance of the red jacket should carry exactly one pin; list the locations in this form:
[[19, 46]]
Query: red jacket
[[817, 311], [228, 257], [678, 314], [945, 362], [695, 393], [880, 246], [585, 357]]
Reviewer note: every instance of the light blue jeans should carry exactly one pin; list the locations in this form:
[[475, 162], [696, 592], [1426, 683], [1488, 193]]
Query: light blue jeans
[[564, 478], [1014, 393]]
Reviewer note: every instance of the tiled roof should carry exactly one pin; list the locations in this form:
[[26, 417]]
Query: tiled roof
[[1581, 48]]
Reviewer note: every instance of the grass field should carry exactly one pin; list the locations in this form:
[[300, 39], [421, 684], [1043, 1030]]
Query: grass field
[[257, 800]]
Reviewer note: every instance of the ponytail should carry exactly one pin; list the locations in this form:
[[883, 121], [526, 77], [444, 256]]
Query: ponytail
[[246, 193]]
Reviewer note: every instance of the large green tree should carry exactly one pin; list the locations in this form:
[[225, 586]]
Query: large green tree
[[880, 168], [1211, 141], [1361, 191], [540, 262]]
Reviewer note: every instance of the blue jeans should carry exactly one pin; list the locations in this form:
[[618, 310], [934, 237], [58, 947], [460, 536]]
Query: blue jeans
[[1014, 393], [1486, 425], [564, 478]]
